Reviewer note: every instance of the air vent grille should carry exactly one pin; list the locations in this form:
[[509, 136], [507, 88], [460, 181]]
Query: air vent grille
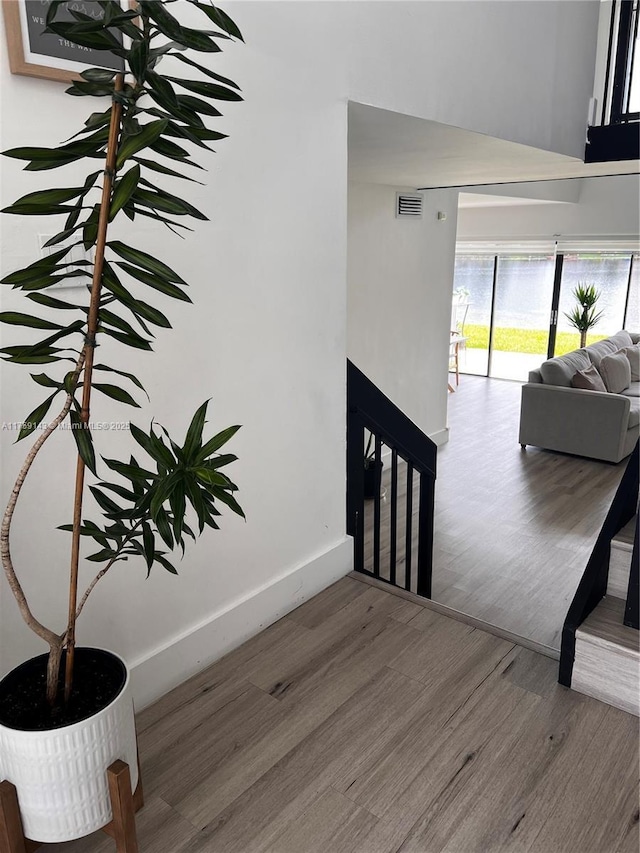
[[408, 204]]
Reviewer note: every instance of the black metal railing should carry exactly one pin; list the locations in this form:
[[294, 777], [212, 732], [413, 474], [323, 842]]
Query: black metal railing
[[593, 585], [391, 472]]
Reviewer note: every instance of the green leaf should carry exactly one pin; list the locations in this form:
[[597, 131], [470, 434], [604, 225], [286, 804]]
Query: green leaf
[[171, 27], [211, 478], [160, 86], [116, 393], [209, 90], [98, 75], [50, 302], [45, 381], [227, 499], [102, 556], [147, 262], [129, 340], [123, 191], [129, 376], [104, 502], [174, 152], [177, 502], [166, 564], [90, 229], [80, 87], [148, 137], [193, 440], [220, 19], [47, 197], [87, 35], [84, 441], [164, 170], [138, 59], [119, 490], [131, 472], [148, 541], [36, 417], [16, 318], [164, 529], [206, 71], [216, 442], [167, 203], [155, 282]]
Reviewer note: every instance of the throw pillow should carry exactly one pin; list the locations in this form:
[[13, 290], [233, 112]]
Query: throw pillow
[[633, 354], [588, 380], [616, 372]]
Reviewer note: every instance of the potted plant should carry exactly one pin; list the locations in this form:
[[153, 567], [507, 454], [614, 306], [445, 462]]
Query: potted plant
[[372, 470], [76, 702], [584, 316]]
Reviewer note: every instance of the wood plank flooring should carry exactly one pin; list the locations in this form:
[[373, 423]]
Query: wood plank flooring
[[364, 723], [513, 528]]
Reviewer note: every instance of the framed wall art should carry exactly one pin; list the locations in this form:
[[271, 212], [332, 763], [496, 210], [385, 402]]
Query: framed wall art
[[38, 54]]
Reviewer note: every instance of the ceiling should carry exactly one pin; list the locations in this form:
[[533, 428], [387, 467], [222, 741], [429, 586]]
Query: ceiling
[[400, 150]]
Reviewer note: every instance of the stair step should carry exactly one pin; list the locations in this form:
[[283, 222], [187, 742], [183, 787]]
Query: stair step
[[607, 657], [620, 560]]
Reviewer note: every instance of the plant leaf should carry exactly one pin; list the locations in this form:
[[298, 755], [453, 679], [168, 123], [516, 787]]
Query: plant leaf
[[147, 262], [123, 191], [84, 441], [36, 417], [148, 137], [116, 393]]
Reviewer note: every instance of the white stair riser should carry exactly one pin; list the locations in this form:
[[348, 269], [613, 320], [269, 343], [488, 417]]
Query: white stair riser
[[607, 674], [619, 568]]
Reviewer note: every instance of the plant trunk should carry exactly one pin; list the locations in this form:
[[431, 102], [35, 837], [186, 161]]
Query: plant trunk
[[583, 338], [53, 671], [89, 348]]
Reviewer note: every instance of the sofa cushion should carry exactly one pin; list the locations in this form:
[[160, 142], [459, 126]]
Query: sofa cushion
[[616, 372], [588, 380], [597, 351], [632, 391], [621, 339], [560, 370], [634, 413], [633, 354]]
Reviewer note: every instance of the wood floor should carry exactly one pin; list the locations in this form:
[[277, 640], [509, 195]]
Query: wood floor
[[513, 528], [362, 723]]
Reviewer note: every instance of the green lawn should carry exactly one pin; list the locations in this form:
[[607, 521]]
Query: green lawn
[[532, 341]]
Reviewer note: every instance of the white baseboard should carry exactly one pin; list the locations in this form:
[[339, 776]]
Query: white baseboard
[[440, 437], [186, 654]]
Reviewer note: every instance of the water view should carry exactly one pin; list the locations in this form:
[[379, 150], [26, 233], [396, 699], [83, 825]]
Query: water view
[[523, 302]]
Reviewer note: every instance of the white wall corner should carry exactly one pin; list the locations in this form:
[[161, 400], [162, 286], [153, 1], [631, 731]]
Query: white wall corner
[[188, 653], [440, 436]]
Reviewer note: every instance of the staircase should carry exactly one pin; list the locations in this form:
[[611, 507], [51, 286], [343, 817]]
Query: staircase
[[600, 654], [607, 656]]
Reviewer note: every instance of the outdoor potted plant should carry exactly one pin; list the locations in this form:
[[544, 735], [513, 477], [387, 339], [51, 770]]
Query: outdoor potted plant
[[584, 315], [65, 716]]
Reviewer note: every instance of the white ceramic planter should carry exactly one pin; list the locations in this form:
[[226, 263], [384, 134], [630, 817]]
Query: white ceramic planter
[[60, 775]]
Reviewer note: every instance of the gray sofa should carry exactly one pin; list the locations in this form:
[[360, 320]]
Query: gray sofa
[[597, 424]]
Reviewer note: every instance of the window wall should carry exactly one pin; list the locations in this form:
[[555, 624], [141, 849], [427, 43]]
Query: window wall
[[518, 301]]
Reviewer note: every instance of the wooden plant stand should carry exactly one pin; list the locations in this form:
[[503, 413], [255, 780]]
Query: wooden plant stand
[[122, 828]]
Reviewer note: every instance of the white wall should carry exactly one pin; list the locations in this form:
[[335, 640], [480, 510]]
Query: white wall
[[400, 278], [267, 340], [605, 207]]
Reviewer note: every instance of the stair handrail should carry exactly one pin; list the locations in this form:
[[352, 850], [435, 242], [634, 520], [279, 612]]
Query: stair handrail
[[368, 408]]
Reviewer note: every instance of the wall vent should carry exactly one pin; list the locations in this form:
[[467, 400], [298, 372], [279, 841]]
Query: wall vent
[[408, 204]]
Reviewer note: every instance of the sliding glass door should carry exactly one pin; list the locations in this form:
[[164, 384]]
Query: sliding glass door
[[515, 303], [610, 274], [520, 339]]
